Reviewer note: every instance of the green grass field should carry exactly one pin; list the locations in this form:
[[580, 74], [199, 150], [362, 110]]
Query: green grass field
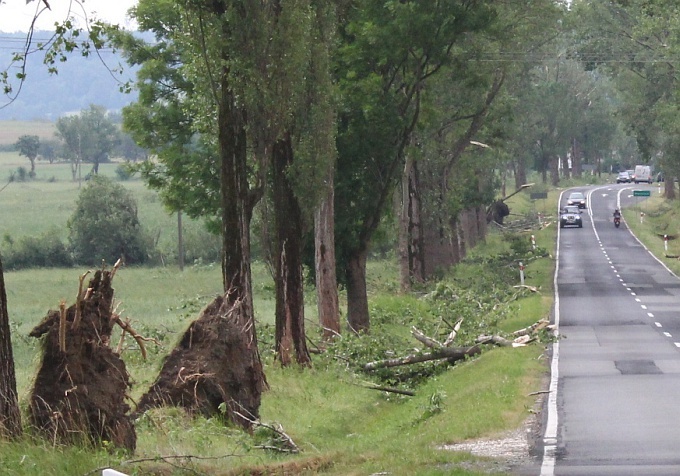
[[342, 427]]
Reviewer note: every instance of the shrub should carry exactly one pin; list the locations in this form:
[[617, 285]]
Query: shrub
[[44, 251], [105, 226], [124, 172], [21, 174]]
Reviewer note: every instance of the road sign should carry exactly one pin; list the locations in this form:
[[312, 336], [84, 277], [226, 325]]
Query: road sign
[[641, 193], [538, 195]]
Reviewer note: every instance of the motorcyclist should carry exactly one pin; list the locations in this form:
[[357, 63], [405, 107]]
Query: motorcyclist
[[617, 214]]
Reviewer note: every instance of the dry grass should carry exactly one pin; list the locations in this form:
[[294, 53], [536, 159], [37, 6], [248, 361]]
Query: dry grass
[[10, 131]]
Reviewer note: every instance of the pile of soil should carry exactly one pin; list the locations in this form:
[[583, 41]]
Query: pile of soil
[[215, 369], [80, 390]]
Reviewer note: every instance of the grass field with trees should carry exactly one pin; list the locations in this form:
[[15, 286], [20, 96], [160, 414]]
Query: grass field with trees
[[346, 426]]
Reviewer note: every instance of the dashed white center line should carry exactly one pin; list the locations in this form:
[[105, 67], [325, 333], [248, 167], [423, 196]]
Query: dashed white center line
[[643, 307], [658, 324], [667, 334], [650, 314]]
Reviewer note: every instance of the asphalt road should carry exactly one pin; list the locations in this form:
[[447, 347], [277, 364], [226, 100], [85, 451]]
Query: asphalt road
[[614, 407]]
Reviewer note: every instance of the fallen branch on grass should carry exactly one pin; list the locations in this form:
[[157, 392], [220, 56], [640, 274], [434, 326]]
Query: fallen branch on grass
[[452, 354], [537, 326], [288, 445], [533, 289], [390, 390]]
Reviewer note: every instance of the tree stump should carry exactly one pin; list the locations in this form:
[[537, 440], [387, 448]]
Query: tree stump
[[80, 390], [215, 369]]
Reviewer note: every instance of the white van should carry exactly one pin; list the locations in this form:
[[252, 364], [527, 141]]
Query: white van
[[643, 173]]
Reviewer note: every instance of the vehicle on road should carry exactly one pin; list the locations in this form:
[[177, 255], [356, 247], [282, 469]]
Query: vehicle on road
[[623, 177], [577, 199], [571, 216], [643, 173]]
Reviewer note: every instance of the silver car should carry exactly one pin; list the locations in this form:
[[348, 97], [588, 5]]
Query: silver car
[[577, 199], [571, 216]]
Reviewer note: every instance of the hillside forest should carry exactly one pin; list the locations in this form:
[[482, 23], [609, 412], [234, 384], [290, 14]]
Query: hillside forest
[[336, 130]]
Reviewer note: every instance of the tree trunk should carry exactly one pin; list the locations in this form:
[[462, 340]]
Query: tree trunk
[[401, 201], [554, 171], [236, 206], [481, 223], [669, 187], [237, 209], [576, 158], [566, 171], [411, 253], [520, 173], [10, 416], [290, 306], [324, 254], [357, 298]]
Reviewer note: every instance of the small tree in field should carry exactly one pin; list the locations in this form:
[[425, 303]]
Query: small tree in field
[[105, 225], [28, 146]]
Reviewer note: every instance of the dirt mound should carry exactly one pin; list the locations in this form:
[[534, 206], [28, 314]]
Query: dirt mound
[[215, 369], [79, 392]]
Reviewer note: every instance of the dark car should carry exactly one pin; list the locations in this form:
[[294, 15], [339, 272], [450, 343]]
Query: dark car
[[623, 177], [571, 216], [577, 199]]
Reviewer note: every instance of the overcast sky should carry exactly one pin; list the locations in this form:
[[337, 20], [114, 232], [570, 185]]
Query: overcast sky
[[16, 15]]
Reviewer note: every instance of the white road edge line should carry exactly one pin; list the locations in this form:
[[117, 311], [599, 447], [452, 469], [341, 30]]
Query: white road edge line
[[550, 434]]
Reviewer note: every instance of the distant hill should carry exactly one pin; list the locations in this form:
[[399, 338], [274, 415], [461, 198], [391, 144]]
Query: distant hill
[[79, 83]]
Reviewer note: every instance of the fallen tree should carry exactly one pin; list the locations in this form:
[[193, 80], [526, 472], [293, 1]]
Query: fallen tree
[[444, 350], [215, 368], [81, 387]]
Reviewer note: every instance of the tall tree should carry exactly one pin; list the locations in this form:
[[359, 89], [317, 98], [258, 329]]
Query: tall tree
[[278, 102], [10, 416], [388, 53], [88, 137]]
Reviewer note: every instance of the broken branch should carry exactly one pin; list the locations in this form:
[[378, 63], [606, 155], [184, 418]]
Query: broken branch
[[140, 339], [428, 341], [451, 353]]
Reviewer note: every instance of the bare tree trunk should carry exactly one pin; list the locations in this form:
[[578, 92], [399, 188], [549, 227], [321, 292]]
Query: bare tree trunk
[[290, 306], [416, 232], [481, 223], [237, 207], [566, 171], [554, 171], [411, 242], [576, 156], [520, 173], [357, 298], [326, 280], [669, 188], [10, 416]]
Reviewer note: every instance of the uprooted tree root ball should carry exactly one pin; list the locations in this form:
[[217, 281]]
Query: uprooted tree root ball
[[80, 390], [215, 369]]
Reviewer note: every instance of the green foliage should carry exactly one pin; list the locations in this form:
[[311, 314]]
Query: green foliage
[[21, 175], [105, 225], [28, 145], [88, 137], [44, 251], [479, 290], [124, 172]]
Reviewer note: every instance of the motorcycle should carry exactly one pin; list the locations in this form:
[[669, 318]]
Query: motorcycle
[[617, 221]]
